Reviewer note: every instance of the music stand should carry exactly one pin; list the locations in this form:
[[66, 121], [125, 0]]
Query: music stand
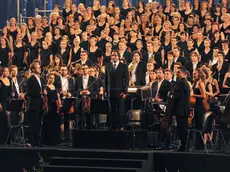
[[16, 105], [67, 103], [99, 106]]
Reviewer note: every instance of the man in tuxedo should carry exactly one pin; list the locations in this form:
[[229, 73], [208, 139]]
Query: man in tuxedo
[[150, 68], [64, 85], [85, 87], [123, 52], [181, 105], [84, 59], [150, 55], [161, 88], [18, 90], [177, 57], [138, 72], [194, 63], [168, 76], [34, 98], [116, 86]]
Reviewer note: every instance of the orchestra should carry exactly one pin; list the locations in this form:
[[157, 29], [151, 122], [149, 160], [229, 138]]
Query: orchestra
[[84, 56]]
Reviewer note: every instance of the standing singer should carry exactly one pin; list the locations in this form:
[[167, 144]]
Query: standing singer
[[34, 96], [116, 86]]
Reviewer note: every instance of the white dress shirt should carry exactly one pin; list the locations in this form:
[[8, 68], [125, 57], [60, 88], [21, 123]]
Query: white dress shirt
[[85, 80], [38, 79], [64, 83]]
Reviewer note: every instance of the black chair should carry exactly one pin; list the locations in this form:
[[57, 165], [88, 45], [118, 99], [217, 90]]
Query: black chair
[[207, 126], [134, 119], [16, 121]]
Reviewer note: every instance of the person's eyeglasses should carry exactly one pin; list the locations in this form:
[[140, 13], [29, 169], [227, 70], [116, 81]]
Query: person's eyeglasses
[[113, 55], [84, 68]]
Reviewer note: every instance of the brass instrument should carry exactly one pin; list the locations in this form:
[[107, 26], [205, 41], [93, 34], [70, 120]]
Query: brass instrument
[[75, 66], [102, 70], [132, 66]]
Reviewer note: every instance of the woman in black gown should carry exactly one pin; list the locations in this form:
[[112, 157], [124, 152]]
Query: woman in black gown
[[5, 93], [46, 56], [18, 58], [33, 48], [52, 120], [200, 94], [4, 52]]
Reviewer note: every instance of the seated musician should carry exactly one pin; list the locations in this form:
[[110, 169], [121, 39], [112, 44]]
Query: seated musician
[[137, 69], [64, 85], [85, 88], [160, 90]]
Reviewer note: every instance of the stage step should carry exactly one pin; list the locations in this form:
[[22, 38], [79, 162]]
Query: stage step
[[56, 168], [108, 154], [93, 162]]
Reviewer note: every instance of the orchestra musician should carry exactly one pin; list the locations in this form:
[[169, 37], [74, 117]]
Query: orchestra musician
[[160, 90], [5, 96], [34, 97], [86, 87], [65, 84], [52, 120], [84, 59], [137, 70], [181, 105], [18, 91], [116, 87]]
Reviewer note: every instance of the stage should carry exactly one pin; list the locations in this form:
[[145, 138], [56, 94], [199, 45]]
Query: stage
[[63, 159], [108, 151]]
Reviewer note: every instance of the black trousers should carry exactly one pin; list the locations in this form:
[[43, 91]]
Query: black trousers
[[182, 126], [117, 116], [35, 123]]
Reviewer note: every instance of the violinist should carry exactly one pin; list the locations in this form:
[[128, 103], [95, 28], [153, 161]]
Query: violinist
[[5, 95], [34, 97], [65, 85], [85, 88], [52, 120], [17, 83]]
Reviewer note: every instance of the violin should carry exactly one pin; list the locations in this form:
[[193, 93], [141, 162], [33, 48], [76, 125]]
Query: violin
[[191, 114], [58, 103], [45, 106], [86, 103]]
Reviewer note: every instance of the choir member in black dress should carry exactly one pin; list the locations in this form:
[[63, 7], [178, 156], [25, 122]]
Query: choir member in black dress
[[94, 51], [64, 51], [33, 48], [19, 53], [45, 56], [5, 53], [200, 94], [75, 50], [52, 120], [5, 96], [34, 98], [226, 82], [108, 51], [31, 24]]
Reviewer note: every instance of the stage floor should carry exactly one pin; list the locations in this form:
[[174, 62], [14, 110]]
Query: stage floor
[[15, 159]]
